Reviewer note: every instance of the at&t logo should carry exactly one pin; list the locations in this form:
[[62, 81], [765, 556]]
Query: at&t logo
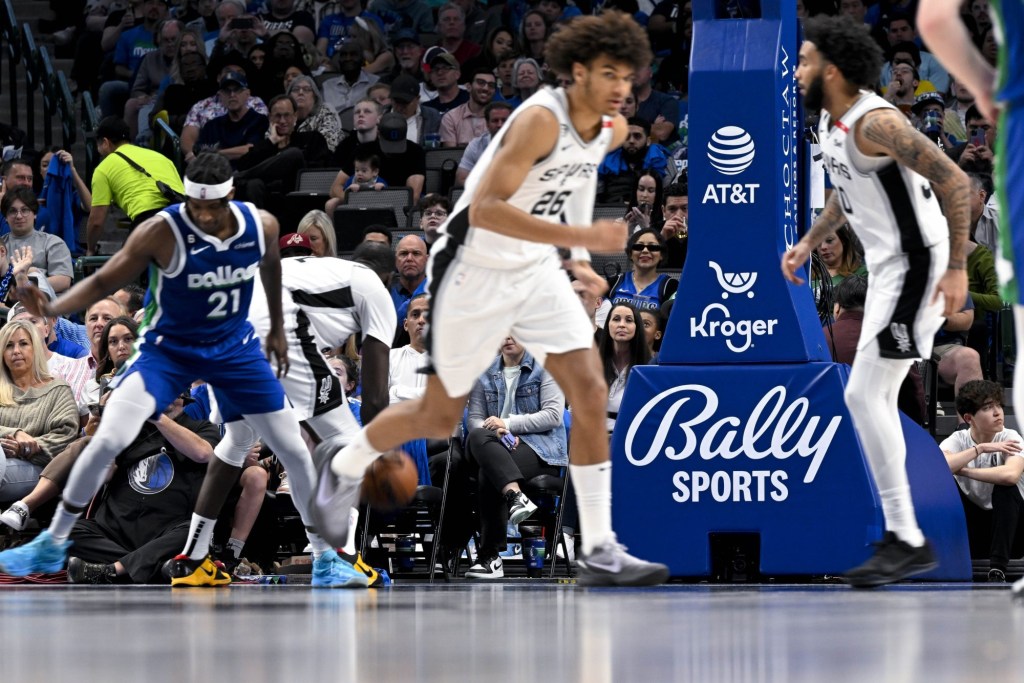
[[716, 319], [731, 151]]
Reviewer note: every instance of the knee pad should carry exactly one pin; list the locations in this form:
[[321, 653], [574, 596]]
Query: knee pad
[[238, 437]]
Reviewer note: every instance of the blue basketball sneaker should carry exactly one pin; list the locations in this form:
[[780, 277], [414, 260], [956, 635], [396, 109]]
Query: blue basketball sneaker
[[42, 555], [330, 571]]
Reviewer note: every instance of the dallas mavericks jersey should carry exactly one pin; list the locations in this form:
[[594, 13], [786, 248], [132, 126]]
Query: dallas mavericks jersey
[[330, 298], [204, 294], [892, 209], [559, 189], [1008, 20]]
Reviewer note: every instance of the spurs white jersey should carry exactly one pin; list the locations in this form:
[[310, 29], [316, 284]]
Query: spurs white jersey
[[560, 189], [892, 209], [324, 301]]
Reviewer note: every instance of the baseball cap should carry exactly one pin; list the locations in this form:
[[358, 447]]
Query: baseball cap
[[446, 58], [295, 240], [233, 78], [15, 310], [927, 98], [405, 89], [391, 133], [428, 56], [406, 35]]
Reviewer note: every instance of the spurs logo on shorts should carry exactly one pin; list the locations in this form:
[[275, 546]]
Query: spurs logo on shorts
[[325, 389], [901, 337]]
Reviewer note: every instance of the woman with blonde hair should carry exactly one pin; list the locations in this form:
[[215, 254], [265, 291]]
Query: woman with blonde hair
[[38, 414], [318, 226]]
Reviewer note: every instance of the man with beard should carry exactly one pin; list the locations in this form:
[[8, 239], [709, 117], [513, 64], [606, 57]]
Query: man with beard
[[620, 168], [889, 180]]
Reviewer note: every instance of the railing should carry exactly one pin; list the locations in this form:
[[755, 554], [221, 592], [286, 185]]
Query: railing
[[90, 122], [11, 37]]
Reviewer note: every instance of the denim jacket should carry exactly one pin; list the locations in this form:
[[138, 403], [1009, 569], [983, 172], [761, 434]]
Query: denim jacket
[[538, 416]]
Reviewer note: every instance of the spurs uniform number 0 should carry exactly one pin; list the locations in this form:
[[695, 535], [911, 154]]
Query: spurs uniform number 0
[[480, 280], [897, 217]]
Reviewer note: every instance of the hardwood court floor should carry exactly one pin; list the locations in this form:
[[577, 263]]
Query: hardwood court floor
[[531, 632]]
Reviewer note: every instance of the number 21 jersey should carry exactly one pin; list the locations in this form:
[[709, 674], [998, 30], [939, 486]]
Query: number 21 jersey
[[203, 296]]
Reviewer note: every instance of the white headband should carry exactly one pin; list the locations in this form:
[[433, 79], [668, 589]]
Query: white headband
[[201, 191]]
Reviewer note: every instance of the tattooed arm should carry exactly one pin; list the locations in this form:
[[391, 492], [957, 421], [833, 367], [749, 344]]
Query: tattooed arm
[[887, 132], [831, 219]]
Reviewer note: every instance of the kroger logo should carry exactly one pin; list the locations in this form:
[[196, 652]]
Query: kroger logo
[[716, 320], [731, 150]]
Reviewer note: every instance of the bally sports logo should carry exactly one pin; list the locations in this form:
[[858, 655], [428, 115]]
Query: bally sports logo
[[716, 320], [691, 422], [731, 152]]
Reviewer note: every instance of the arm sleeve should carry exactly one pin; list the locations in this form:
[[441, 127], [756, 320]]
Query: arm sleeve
[[448, 132]]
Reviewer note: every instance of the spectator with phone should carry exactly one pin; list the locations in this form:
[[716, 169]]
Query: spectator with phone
[[975, 156], [645, 202], [515, 431]]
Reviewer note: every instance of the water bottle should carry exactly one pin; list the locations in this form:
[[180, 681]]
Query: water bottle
[[406, 547]]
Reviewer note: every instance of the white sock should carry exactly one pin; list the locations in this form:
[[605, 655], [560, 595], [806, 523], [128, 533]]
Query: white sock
[[235, 546], [320, 546], [899, 516], [200, 533], [350, 545], [593, 484], [62, 523], [352, 460]]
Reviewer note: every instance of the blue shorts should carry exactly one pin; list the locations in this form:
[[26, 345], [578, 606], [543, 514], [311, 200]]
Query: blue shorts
[[242, 380]]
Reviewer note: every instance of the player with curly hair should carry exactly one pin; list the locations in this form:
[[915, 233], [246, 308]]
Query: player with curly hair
[[532, 191], [888, 181]]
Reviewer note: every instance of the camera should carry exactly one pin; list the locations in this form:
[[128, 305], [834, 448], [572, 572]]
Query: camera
[[242, 23]]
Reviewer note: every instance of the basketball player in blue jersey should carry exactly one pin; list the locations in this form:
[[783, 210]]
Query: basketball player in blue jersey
[[495, 272], [910, 206], [202, 257], [999, 95]]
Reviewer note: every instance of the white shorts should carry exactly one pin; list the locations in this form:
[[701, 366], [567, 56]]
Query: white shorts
[[899, 313], [473, 309]]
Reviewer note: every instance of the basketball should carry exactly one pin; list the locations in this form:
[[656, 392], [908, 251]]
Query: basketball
[[390, 481]]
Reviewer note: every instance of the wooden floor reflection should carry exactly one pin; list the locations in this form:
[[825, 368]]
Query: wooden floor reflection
[[507, 632]]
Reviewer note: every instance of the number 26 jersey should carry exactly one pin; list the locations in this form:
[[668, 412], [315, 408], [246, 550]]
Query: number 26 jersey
[[559, 189]]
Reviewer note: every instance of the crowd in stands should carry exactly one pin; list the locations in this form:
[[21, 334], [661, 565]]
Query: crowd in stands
[[371, 91]]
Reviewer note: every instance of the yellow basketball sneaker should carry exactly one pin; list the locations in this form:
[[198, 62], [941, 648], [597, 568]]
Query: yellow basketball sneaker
[[188, 572]]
